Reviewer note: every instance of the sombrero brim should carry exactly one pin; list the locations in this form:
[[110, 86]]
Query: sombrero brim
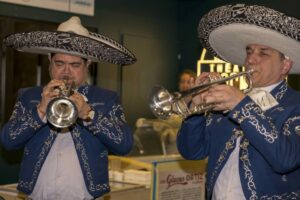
[[227, 34], [96, 47]]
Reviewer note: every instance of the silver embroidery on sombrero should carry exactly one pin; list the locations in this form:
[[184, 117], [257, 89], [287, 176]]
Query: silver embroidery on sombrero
[[23, 116], [286, 127], [228, 146], [66, 42], [243, 14], [246, 166], [86, 167], [38, 165], [110, 124]]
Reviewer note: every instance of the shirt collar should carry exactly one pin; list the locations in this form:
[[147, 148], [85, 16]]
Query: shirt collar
[[270, 87]]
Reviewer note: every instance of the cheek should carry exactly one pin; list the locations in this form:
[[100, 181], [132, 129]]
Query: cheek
[[53, 74], [80, 75]]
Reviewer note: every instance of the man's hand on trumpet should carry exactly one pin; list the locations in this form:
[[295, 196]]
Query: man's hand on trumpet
[[222, 97], [50, 91], [203, 78], [82, 106]]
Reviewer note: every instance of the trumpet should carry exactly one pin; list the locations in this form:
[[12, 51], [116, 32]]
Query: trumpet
[[61, 112], [163, 103]]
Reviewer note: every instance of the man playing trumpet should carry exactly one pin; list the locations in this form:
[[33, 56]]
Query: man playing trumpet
[[68, 163], [253, 148]]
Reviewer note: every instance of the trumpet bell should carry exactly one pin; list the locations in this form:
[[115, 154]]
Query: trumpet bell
[[161, 102], [61, 112]]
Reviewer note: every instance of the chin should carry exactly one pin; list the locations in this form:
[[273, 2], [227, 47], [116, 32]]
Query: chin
[[255, 84]]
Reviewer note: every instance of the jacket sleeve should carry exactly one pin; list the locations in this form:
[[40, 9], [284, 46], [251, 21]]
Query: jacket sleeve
[[22, 125], [193, 139], [277, 139], [110, 127]]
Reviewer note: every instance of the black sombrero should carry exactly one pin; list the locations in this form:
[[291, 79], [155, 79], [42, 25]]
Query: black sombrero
[[71, 38], [227, 30]]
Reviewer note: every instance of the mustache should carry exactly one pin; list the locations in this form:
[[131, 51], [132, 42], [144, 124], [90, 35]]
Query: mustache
[[66, 77]]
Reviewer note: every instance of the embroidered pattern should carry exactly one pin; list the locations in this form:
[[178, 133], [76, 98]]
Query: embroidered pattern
[[246, 114], [21, 119], [246, 166], [41, 157], [229, 146], [209, 119], [285, 196], [110, 124], [86, 167], [252, 113], [279, 109], [284, 178], [243, 14], [84, 90], [282, 90], [108, 50], [104, 154], [286, 127]]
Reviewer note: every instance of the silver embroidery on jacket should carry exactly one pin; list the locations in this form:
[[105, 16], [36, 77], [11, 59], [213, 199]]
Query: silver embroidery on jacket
[[247, 168], [86, 167], [209, 119], [38, 165], [246, 114], [286, 127], [111, 124], [21, 119], [228, 146], [285, 196], [282, 90]]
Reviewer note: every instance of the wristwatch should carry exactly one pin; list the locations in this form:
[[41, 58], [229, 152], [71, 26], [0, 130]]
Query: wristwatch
[[91, 115]]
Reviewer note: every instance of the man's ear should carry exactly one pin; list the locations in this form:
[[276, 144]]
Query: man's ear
[[49, 57], [88, 63], [287, 65]]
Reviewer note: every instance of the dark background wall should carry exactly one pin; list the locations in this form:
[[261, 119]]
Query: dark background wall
[[162, 35]]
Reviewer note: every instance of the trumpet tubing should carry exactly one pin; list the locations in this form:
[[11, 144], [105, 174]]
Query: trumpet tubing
[[163, 103]]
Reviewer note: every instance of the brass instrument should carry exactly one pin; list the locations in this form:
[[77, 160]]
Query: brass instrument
[[61, 111], [163, 103]]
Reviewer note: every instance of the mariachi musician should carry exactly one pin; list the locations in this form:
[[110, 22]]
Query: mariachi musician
[[66, 154]]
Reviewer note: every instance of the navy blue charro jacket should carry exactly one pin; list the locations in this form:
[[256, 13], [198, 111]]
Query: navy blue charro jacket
[[269, 157], [107, 132]]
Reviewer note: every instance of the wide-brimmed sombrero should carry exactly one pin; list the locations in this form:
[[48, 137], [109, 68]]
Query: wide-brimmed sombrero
[[71, 38], [227, 30]]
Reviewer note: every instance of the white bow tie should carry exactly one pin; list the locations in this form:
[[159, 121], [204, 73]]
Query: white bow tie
[[262, 98]]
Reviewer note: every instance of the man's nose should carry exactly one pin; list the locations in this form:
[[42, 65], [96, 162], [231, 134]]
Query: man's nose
[[67, 68], [251, 58]]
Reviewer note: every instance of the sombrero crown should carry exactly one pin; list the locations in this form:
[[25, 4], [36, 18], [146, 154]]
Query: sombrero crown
[[227, 30], [71, 38]]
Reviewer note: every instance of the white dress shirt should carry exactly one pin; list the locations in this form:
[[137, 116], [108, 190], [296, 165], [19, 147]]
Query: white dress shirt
[[228, 185], [61, 177]]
